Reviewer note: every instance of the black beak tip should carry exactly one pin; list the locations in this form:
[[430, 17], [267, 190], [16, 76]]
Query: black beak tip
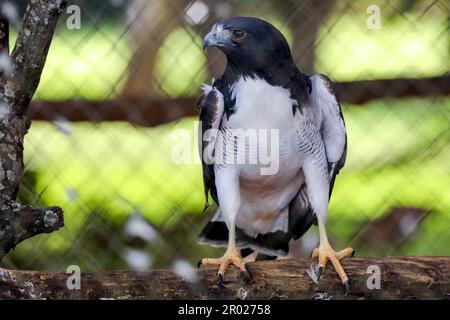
[[206, 44]]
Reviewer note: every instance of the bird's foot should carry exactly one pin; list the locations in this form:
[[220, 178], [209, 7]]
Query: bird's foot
[[231, 256], [326, 253]]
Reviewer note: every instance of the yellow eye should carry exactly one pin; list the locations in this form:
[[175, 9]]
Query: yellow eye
[[238, 34]]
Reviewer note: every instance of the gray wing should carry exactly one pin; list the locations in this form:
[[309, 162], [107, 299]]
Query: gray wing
[[334, 133], [324, 101], [211, 107]]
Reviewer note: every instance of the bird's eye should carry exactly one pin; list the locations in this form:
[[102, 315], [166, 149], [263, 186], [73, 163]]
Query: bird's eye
[[238, 34]]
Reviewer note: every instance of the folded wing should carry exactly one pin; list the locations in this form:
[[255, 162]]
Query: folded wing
[[334, 134], [211, 107], [324, 101]]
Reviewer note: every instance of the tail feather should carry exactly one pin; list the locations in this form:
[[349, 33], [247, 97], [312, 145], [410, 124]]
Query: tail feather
[[301, 215], [274, 243]]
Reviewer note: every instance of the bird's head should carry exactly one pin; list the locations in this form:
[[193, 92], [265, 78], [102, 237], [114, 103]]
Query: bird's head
[[249, 42]]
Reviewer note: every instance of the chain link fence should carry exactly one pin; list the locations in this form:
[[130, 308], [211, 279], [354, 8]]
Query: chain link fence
[[119, 87]]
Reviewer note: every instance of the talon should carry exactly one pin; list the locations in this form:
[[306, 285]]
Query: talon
[[247, 271], [346, 287], [231, 257], [220, 280], [199, 263], [353, 253], [319, 273], [326, 253]]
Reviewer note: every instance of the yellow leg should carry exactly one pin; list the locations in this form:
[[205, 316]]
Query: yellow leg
[[325, 253], [231, 256]]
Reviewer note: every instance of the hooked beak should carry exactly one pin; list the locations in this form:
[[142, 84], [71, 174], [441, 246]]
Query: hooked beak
[[210, 40], [217, 37]]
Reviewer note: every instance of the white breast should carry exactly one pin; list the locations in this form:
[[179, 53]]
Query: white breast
[[260, 105]]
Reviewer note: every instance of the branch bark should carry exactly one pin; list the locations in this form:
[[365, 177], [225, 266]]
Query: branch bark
[[401, 278], [17, 87], [20, 222]]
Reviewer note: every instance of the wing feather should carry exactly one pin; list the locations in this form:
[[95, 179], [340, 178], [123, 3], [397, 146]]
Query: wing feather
[[323, 100], [334, 134], [211, 107]]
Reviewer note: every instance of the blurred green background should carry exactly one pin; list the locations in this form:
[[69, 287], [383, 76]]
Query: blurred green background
[[102, 174]]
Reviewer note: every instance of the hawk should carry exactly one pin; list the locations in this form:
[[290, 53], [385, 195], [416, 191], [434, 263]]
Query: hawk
[[264, 206]]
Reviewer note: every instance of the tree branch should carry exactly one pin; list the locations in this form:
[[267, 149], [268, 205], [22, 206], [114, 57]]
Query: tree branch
[[20, 222], [30, 51], [17, 87], [401, 278], [156, 111]]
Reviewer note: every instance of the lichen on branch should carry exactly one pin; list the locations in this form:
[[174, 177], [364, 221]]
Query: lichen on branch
[[18, 83]]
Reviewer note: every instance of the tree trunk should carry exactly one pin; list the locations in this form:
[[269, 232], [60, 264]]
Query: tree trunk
[[18, 84], [400, 278]]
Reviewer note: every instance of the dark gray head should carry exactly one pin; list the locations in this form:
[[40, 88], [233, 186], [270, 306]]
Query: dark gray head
[[249, 43], [255, 48]]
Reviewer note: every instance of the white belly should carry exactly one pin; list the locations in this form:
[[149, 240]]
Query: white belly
[[261, 106], [265, 201]]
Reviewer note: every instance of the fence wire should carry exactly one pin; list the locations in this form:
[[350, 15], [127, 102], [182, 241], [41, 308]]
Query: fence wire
[[129, 205]]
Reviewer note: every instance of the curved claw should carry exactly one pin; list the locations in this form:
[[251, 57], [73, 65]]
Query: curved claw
[[199, 263], [247, 271], [326, 253], [319, 273], [353, 253], [231, 257], [346, 287], [220, 279]]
